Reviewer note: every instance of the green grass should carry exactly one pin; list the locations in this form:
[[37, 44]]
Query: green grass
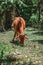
[[33, 48]]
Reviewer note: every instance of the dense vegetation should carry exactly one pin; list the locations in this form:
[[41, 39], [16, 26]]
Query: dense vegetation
[[30, 10]]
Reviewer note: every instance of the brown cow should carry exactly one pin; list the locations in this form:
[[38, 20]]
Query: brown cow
[[19, 26]]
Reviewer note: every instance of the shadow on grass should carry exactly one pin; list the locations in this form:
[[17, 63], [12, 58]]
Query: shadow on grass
[[39, 41], [30, 30], [16, 42], [39, 33]]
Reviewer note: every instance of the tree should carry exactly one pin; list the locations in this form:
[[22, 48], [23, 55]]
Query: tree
[[24, 9], [6, 7]]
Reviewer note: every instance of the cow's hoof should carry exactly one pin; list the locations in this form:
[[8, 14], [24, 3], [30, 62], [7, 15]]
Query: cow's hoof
[[12, 41], [22, 45]]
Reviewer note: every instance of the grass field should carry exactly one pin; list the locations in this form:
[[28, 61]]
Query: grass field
[[32, 50]]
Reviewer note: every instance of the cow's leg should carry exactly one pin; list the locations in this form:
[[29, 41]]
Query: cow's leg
[[21, 40], [15, 35]]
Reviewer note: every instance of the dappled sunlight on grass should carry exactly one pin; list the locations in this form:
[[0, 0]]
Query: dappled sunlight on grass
[[33, 49]]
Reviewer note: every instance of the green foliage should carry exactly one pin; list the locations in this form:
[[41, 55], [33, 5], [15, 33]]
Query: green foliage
[[4, 5], [24, 9], [34, 18], [41, 17], [35, 2]]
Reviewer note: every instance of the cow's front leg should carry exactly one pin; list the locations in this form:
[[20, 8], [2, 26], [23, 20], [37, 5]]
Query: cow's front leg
[[14, 37]]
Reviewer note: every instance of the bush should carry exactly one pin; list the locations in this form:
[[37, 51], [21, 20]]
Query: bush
[[34, 20], [41, 22]]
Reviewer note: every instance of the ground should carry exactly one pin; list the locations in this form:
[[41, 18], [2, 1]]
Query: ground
[[30, 54]]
